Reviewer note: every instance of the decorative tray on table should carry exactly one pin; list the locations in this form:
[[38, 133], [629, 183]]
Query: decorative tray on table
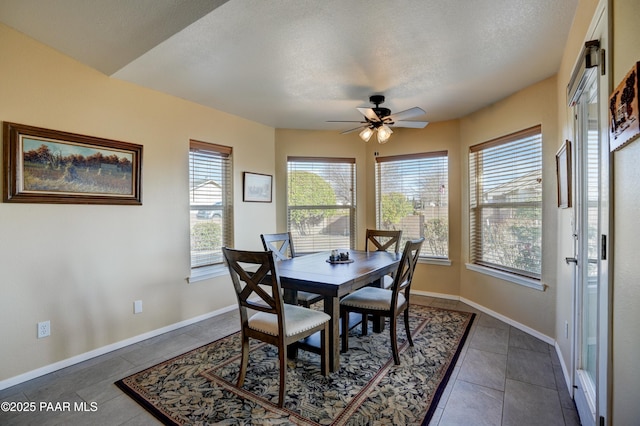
[[337, 257], [334, 262]]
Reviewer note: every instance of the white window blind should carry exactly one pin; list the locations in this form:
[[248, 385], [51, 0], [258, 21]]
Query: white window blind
[[506, 203], [321, 203], [412, 195], [210, 198]]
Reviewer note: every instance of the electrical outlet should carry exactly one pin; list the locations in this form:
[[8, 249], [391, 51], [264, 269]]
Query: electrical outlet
[[137, 306], [44, 329]]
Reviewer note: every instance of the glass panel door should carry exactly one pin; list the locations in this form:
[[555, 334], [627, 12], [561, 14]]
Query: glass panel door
[[588, 178]]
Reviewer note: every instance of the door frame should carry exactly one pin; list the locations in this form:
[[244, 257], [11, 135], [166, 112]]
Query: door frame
[[600, 407]]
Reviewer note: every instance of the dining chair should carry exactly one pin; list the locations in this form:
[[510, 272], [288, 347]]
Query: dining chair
[[383, 240], [275, 322], [282, 246], [384, 303]]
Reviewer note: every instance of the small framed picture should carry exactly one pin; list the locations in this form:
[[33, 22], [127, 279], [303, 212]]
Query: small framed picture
[[563, 169], [624, 117], [257, 187]]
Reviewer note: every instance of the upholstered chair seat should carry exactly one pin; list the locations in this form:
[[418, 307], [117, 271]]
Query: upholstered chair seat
[[372, 298], [297, 320]]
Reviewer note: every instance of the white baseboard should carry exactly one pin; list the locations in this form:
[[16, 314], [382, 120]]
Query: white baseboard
[[565, 371], [436, 295], [118, 345], [543, 337], [532, 332], [106, 349], [519, 326]]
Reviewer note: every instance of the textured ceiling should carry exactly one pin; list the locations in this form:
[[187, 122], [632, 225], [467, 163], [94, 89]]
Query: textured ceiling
[[298, 63]]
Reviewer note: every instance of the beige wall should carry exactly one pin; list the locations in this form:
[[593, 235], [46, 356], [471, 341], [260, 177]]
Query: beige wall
[[626, 268], [435, 137], [82, 266], [532, 106]]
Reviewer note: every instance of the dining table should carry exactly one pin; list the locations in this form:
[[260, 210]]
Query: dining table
[[315, 273]]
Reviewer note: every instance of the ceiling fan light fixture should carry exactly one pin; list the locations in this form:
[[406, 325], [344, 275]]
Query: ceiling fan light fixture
[[384, 133], [366, 134], [380, 119]]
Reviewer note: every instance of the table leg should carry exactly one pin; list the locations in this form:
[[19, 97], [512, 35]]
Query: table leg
[[290, 296], [332, 308]]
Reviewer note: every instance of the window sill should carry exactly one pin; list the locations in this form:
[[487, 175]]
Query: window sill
[[527, 282], [201, 274], [434, 261]]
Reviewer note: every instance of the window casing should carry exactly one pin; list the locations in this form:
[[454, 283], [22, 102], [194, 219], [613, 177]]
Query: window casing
[[505, 203], [210, 199], [321, 203], [412, 194]]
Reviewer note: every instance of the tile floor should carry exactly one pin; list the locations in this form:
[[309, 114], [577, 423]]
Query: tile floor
[[503, 377]]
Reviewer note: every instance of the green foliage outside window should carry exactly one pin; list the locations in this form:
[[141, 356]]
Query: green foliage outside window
[[528, 253], [206, 236], [436, 233], [308, 189], [395, 206], [514, 242]]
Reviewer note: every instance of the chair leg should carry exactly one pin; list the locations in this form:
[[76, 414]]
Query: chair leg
[[406, 326], [324, 349], [282, 353], [393, 325], [344, 316], [365, 324], [244, 360]]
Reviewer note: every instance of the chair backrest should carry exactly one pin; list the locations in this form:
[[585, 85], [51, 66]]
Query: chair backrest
[[247, 281], [407, 266], [381, 240], [280, 244]]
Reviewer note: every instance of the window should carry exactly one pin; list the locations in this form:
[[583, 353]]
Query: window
[[412, 195], [210, 197], [505, 189], [321, 203]]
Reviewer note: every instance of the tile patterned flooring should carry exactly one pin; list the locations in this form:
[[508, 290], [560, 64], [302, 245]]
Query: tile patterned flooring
[[503, 377]]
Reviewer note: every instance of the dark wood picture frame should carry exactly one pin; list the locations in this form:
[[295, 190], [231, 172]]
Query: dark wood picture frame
[[49, 166], [257, 187], [563, 170]]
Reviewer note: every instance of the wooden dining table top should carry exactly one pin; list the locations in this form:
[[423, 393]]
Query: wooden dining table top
[[313, 273]]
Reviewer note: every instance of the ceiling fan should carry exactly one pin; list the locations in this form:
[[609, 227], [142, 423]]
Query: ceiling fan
[[380, 120]]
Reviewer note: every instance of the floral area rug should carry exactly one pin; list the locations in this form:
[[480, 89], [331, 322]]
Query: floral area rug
[[199, 387]]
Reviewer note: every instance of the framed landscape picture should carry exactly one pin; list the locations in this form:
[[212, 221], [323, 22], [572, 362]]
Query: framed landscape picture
[[257, 187], [50, 166]]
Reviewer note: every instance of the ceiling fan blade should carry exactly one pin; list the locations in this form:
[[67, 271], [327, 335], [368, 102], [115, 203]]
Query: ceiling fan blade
[[354, 129], [345, 121], [410, 124], [370, 114], [407, 113]]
